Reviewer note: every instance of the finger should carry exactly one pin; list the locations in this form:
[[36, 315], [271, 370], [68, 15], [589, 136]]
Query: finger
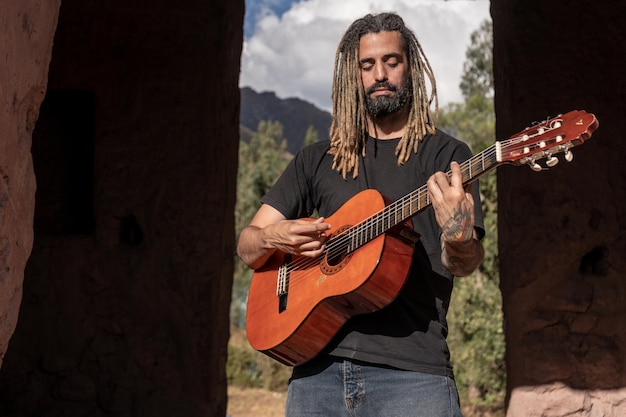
[[309, 226], [313, 229], [442, 180], [313, 253], [321, 224], [469, 196], [312, 246], [434, 186], [432, 181], [457, 179]]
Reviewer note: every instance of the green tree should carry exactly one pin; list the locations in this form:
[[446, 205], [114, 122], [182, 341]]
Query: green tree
[[477, 78], [311, 136], [476, 338], [260, 163]]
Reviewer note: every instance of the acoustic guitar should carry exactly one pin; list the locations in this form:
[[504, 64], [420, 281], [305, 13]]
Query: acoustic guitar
[[296, 304]]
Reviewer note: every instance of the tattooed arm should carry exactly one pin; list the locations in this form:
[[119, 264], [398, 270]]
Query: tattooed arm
[[462, 258], [461, 251]]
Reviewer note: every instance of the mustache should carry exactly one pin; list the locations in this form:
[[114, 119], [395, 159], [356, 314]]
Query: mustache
[[382, 84]]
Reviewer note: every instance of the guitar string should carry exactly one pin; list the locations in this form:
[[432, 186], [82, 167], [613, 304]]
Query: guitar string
[[339, 244], [465, 166]]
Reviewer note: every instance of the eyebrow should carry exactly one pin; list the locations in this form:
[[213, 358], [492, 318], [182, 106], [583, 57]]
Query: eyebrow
[[385, 57]]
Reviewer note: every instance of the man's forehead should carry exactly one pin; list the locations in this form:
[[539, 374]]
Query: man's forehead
[[381, 43]]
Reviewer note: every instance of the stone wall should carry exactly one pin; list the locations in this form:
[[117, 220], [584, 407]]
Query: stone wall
[[26, 33], [562, 232], [127, 291]]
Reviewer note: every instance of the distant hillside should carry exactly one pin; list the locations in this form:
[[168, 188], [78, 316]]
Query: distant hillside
[[294, 114]]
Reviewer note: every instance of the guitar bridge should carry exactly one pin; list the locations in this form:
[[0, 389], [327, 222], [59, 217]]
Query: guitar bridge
[[282, 303], [282, 284]]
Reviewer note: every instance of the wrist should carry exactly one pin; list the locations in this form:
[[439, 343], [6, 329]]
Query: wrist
[[458, 239]]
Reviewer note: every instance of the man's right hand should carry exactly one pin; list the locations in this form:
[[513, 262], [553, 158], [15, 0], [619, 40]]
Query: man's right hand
[[269, 231]]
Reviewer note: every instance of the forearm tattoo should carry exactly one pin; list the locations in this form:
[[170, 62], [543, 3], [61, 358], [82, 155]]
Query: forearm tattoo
[[460, 227], [461, 253]]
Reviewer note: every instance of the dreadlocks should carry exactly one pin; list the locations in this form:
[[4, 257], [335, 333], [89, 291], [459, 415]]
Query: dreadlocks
[[349, 126]]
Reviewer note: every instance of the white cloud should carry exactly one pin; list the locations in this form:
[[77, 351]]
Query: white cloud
[[293, 56]]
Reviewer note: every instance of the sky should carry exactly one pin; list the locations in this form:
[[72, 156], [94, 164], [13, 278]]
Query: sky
[[289, 45]]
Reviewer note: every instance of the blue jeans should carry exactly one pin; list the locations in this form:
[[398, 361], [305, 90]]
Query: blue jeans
[[344, 388]]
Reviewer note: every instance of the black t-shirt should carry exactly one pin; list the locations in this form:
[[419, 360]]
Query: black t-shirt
[[410, 332]]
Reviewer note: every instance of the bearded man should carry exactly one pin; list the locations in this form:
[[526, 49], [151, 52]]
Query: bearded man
[[394, 361]]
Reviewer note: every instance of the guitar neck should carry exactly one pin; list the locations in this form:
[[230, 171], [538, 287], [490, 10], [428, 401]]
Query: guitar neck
[[417, 201]]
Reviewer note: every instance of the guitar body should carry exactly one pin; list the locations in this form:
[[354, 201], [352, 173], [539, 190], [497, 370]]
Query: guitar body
[[323, 294]]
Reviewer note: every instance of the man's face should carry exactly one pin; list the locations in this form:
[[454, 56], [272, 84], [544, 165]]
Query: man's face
[[384, 73]]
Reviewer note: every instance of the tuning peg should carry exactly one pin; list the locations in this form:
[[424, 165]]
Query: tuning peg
[[534, 166], [569, 156], [552, 161]]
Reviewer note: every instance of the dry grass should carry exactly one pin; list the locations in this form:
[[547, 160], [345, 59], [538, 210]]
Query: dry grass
[[255, 402]]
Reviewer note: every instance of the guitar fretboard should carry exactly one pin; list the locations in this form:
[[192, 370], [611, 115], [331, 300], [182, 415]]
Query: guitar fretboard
[[413, 203]]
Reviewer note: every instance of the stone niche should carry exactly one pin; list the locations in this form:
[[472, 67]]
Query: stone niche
[[562, 232], [133, 112]]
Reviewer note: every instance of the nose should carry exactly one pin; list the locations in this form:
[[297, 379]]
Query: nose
[[380, 73]]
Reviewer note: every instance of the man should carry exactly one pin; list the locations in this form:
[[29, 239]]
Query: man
[[395, 361]]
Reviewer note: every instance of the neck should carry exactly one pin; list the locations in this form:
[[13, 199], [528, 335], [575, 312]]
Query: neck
[[388, 127]]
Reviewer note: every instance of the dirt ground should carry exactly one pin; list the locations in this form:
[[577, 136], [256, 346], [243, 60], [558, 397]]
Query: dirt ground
[[255, 402]]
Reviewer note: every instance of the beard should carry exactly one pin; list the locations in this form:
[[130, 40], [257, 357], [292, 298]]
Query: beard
[[383, 106]]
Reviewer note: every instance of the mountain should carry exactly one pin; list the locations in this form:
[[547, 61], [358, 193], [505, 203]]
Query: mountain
[[294, 114]]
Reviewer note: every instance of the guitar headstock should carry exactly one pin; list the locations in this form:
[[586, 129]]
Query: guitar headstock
[[545, 139]]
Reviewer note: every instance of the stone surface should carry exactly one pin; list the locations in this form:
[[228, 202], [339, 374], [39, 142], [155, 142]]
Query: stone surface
[[127, 291], [26, 32], [560, 400], [562, 232]]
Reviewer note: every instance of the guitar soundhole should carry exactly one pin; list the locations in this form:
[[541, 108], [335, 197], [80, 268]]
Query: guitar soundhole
[[338, 257]]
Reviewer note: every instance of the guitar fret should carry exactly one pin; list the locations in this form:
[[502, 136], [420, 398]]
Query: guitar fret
[[414, 202], [359, 237]]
